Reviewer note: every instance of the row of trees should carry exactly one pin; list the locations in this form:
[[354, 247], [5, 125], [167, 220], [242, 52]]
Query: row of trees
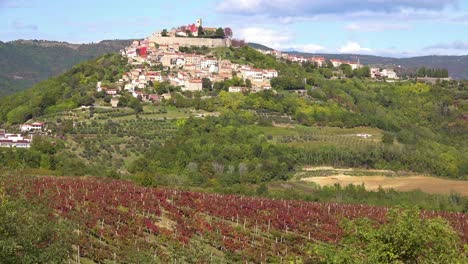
[[432, 72]]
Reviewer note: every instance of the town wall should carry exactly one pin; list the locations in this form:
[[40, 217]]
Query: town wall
[[210, 43]]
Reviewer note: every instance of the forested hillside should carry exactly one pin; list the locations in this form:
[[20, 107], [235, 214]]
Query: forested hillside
[[26, 62]]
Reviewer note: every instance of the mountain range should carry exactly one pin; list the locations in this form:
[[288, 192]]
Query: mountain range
[[456, 65]]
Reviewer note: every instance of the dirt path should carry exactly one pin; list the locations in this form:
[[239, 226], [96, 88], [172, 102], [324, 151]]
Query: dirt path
[[424, 183]]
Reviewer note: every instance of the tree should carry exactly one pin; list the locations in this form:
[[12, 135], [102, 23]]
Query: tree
[[388, 138], [135, 104], [200, 31], [206, 83], [329, 64], [405, 238], [363, 72], [30, 234], [164, 33], [219, 33], [347, 70], [228, 32], [248, 83]]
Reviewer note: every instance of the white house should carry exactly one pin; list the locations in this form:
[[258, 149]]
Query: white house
[[129, 87], [390, 74], [255, 75], [354, 65], [14, 141], [237, 89], [206, 63], [36, 126], [336, 63]]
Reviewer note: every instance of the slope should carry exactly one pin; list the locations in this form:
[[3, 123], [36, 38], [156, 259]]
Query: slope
[[26, 62]]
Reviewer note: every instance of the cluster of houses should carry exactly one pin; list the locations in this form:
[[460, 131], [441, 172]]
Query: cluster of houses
[[8, 140], [321, 62], [186, 71]]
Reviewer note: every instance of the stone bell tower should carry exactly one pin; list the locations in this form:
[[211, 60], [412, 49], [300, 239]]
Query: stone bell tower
[[199, 23]]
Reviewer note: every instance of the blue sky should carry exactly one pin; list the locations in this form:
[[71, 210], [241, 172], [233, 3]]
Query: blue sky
[[398, 28]]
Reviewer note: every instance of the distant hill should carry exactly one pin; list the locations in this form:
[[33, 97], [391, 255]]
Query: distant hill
[[258, 46], [26, 62], [456, 65]]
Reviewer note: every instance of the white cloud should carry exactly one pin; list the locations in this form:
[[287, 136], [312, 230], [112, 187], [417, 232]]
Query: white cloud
[[375, 27], [310, 48], [276, 39], [239, 5], [269, 37], [278, 8], [20, 26], [353, 47]]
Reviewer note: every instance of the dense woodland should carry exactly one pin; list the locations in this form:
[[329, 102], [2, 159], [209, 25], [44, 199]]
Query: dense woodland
[[27, 62], [246, 144]]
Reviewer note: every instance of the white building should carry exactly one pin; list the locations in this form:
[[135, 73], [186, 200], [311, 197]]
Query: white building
[[14, 140], [206, 63], [237, 89], [390, 74], [270, 73], [336, 63], [255, 75], [36, 126]]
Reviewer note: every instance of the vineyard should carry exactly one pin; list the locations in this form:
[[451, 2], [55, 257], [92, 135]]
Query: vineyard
[[113, 218]]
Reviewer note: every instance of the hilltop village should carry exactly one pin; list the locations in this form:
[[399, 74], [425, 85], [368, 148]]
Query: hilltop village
[[181, 58]]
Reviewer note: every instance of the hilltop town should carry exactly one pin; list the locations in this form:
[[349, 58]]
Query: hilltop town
[[165, 57], [182, 58]]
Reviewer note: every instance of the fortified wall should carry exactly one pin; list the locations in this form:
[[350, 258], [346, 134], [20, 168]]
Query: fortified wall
[[210, 43]]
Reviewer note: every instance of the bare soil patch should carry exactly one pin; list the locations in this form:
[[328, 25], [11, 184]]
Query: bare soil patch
[[424, 183]]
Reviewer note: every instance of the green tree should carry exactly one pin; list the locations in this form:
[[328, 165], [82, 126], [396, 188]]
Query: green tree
[[200, 31], [206, 83], [164, 33], [388, 138], [248, 83], [347, 70], [405, 238], [30, 234], [219, 33]]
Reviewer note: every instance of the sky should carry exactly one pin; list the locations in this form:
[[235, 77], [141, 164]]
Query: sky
[[395, 28]]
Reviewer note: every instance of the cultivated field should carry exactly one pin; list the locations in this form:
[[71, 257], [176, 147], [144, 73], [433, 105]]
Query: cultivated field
[[373, 179], [115, 218]]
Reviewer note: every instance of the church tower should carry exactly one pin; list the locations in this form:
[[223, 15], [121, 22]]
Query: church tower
[[199, 23]]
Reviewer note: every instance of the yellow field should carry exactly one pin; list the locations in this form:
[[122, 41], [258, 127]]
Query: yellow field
[[407, 183]]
